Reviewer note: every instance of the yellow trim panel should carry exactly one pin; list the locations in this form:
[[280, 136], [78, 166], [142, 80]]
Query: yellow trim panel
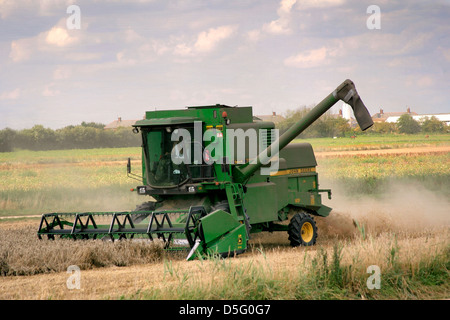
[[293, 171]]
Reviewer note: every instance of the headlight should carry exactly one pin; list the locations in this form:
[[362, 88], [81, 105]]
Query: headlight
[[142, 190]]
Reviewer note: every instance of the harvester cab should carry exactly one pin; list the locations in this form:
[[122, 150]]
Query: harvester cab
[[213, 176]]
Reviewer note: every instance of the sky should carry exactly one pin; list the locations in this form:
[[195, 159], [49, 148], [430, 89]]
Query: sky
[[111, 58]]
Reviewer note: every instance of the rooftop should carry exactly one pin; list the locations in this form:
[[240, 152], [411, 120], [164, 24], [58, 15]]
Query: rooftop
[[119, 123], [382, 116], [274, 117]]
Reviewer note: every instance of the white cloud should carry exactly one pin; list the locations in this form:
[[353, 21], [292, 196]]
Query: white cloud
[[307, 4], [281, 25], [285, 7], [10, 95], [425, 81], [131, 36], [129, 46], [83, 56], [10, 8], [182, 49], [312, 58], [59, 37], [124, 58], [143, 53], [57, 40], [49, 91], [62, 72], [405, 62], [445, 52], [21, 49], [205, 42], [398, 44], [208, 40], [254, 35], [419, 81]]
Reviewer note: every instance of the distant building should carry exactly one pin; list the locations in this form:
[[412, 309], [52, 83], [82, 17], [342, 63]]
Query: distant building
[[443, 117], [392, 117], [275, 118], [383, 116], [119, 123], [346, 113]]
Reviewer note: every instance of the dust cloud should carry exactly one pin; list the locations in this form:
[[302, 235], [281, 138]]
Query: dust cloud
[[401, 207]]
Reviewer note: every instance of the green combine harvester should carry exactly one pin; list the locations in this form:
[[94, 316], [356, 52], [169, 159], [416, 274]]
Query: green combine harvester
[[209, 186]]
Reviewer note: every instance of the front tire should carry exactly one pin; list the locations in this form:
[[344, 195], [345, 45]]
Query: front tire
[[146, 206], [302, 230]]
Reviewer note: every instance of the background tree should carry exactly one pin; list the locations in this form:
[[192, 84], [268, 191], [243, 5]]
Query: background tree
[[85, 136], [383, 127], [328, 125], [93, 125], [37, 138], [407, 124], [432, 125], [7, 139]]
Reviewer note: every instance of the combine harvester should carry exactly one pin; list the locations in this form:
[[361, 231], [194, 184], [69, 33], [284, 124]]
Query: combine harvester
[[208, 192]]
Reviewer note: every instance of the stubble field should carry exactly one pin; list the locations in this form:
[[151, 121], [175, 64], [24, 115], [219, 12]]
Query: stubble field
[[390, 210]]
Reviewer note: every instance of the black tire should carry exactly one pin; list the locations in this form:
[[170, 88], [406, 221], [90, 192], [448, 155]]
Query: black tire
[[146, 206], [222, 205], [302, 230]]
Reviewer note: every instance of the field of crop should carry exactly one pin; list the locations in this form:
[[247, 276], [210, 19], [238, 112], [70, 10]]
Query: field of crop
[[389, 210], [35, 182], [374, 142]]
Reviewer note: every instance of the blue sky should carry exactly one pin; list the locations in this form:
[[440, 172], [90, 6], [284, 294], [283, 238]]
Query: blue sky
[[132, 56]]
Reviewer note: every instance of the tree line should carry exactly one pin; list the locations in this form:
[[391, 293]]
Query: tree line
[[84, 136], [329, 125], [93, 135]]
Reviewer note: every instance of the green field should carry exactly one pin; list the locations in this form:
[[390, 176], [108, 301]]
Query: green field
[[363, 142], [371, 142], [36, 182], [400, 203], [68, 156]]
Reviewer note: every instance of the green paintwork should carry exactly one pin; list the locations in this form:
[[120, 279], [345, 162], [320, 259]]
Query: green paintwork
[[222, 203], [298, 155], [346, 91], [165, 121], [216, 224], [234, 241]]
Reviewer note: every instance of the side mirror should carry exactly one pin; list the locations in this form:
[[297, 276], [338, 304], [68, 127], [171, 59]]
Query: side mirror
[[132, 175]]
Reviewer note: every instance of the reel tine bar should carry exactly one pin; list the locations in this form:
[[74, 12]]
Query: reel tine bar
[[121, 226]]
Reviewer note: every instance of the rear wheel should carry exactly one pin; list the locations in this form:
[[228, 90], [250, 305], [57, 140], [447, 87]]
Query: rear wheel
[[302, 230]]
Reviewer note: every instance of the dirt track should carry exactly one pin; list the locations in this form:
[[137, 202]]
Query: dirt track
[[380, 152], [319, 154]]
